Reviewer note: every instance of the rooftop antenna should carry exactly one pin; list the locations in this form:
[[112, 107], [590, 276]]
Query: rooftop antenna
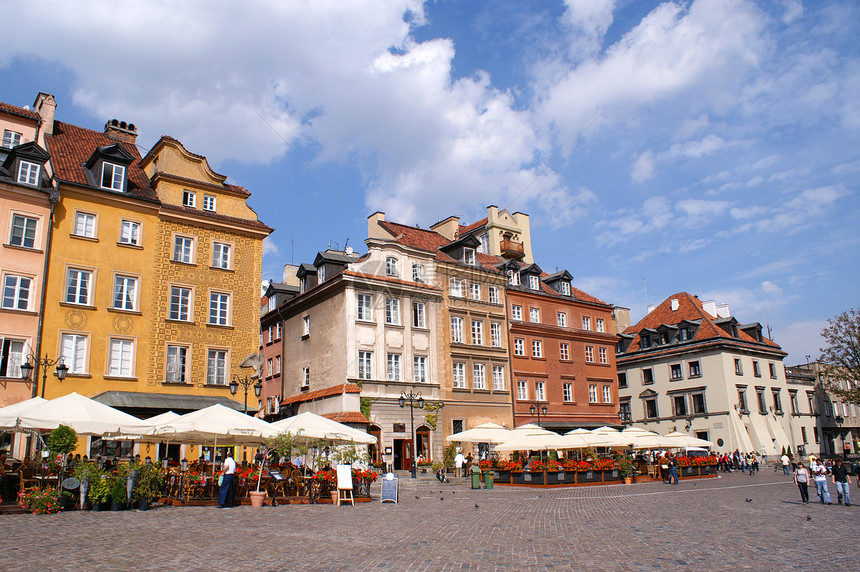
[[292, 251]]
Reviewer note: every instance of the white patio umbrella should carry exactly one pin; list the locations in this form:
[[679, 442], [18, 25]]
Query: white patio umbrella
[[598, 439], [146, 436], [683, 440], [309, 426], [638, 438], [214, 423], [535, 441], [606, 429], [491, 433], [9, 414], [84, 415]]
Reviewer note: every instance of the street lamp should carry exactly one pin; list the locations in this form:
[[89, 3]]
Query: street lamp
[[44, 363], [624, 417], [412, 398], [537, 409], [245, 382]]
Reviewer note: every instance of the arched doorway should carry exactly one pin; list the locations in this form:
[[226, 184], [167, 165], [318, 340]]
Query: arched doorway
[[374, 449], [422, 447]]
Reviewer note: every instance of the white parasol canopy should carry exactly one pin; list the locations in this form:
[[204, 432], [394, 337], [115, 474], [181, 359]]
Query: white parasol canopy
[[535, 441], [222, 424], [9, 414], [491, 433], [683, 440], [593, 439], [84, 415], [309, 425], [639, 438]]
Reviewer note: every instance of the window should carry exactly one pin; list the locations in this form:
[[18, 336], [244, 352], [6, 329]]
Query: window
[[11, 139], [795, 409], [586, 323], [418, 315], [589, 353], [28, 173], [216, 368], [803, 435], [494, 294], [646, 340], [125, 293], [647, 376], [121, 362], [519, 347], [270, 367], [540, 391], [394, 370], [277, 364], [698, 403], [664, 338], [469, 256], [601, 325], [365, 365], [622, 380], [183, 249], [477, 332], [478, 378], [537, 348], [564, 351], [811, 399], [85, 225], [762, 406], [392, 311], [16, 292], [11, 358], [112, 176], [23, 231], [516, 312], [513, 277], [271, 334], [562, 319], [679, 405], [221, 255], [777, 402], [180, 303], [522, 390], [607, 394], [474, 291], [496, 334], [756, 370], [365, 307], [567, 392], [419, 369], [278, 331], [177, 360], [417, 272], [189, 198], [219, 309], [306, 377], [458, 288], [742, 401], [738, 368], [78, 286], [391, 267], [534, 282], [209, 202], [74, 352], [306, 326], [675, 372], [498, 378], [459, 375], [601, 355], [485, 243], [651, 408], [565, 288], [772, 368], [534, 315], [457, 330], [592, 394], [129, 233], [695, 369]]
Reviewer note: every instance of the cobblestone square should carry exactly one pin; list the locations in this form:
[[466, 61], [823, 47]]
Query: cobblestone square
[[703, 524]]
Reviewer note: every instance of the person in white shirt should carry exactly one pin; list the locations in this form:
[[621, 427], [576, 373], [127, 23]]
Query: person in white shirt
[[819, 472], [785, 461], [227, 492], [458, 463]]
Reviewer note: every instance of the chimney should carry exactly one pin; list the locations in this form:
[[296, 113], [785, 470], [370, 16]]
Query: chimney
[[289, 277], [710, 307], [449, 228], [621, 317], [121, 131], [46, 105], [650, 308], [723, 311], [373, 228], [675, 304]]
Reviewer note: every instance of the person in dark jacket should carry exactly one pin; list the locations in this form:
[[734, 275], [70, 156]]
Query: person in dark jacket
[[840, 479]]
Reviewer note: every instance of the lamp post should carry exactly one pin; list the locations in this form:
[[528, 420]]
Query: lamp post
[[535, 408], [412, 398], [44, 363], [245, 382]]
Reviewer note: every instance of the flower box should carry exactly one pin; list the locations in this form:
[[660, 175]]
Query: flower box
[[526, 478], [612, 476], [707, 470], [502, 477], [589, 476], [558, 477]]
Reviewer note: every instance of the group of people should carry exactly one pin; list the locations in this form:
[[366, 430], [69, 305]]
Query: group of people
[[817, 473], [737, 461]]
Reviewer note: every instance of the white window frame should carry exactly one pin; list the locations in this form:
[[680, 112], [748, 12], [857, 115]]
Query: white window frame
[[600, 325], [517, 312], [564, 351], [220, 308], [607, 394], [457, 288], [11, 138], [78, 290], [365, 364], [176, 364], [129, 232], [534, 282], [125, 292], [458, 373], [589, 354], [306, 377], [15, 356], [565, 289], [540, 391], [592, 393], [394, 367], [222, 255], [121, 357], [562, 319], [586, 322], [479, 376], [496, 334], [419, 369], [519, 346], [183, 249], [474, 291], [567, 392], [537, 348], [469, 256], [181, 298], [417, 272], [456, 330], [117, 176], [74, 349], [534, 315], [498, 378], [391, 268], [392, 311], [494, 295], [17, 289], [210, 202], [217, 366], [28, 173], [28, 233], [189, 198], [306, 326], [364, 305], [514, 277], [86, 225], [522, 390], [477, 332], [601, 355], [419, 315]]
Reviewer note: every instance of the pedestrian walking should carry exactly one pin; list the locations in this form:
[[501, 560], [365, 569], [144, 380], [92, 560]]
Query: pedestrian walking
[[458, 463], [673, 469], [840, 481], [819, 472], [801, 479], [785, 461], [227, 492]]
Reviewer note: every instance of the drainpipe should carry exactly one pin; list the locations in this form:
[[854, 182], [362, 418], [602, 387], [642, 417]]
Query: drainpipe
[[53, 199]]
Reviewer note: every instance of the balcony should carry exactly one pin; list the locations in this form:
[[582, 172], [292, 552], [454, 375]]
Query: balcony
[[512, 249]]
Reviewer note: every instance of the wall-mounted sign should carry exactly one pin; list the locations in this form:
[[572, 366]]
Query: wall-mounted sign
[[400, 427]]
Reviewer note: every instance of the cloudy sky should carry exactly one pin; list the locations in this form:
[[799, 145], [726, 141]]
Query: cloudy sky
[[707, 146]]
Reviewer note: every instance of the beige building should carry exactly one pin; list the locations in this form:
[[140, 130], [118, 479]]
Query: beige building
[[690, 366]]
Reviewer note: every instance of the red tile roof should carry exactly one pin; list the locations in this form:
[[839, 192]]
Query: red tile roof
[[691, 309], [470, 227], [415, 237], [222, 187], [320, 393], [19, 111], [71, 146], [387, 279], [347, 417], [216, 216]]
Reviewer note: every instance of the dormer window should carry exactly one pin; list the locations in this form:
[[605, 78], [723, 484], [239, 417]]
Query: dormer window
[[321, 274], [209, 203], [391, 267], [646, 341], [113, 176], [189, 199], [685, 334], [469, 256], [534, 282], [485, 243], [565, 288], [28, 173], [11, 139], [513, 277]]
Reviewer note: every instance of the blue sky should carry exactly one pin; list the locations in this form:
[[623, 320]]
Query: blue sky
[[708, 146]]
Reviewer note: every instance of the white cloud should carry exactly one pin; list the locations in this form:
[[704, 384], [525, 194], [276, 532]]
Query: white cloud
[[770, 288], [643, 168], [269, 247], [800, 339], [793, 10], [588, 20], [699, 208]]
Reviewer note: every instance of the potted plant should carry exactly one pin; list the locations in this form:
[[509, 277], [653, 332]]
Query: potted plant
[[147, 487], [100, 491], [118, 494], [625, 468], [87, 473]]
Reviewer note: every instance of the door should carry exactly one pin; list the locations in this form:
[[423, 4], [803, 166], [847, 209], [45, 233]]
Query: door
[[406, 454]]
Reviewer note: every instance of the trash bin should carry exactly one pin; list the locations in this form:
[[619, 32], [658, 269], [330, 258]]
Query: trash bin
[[488, 479], [476, 477]]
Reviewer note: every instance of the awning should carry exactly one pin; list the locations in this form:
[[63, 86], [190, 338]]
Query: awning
[[163, 401]]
